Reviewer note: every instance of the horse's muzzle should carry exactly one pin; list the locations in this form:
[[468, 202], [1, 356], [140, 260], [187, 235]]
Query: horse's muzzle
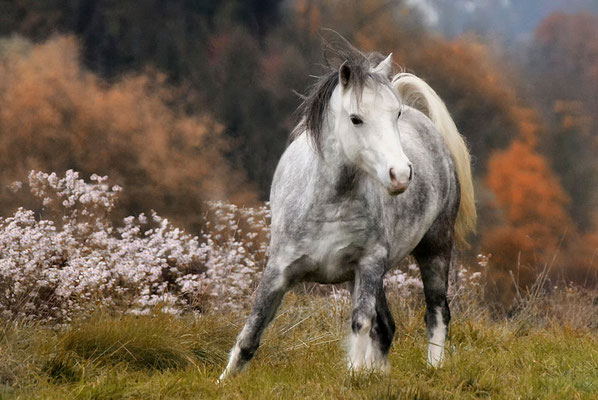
[[399, 184]]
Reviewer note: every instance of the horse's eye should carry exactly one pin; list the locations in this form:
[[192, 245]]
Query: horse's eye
[[356, 120]]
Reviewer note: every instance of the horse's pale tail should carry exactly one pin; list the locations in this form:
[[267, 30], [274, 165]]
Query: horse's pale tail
[[417, 93]]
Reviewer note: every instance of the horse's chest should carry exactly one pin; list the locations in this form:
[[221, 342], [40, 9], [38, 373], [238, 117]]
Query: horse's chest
[[338, 231]]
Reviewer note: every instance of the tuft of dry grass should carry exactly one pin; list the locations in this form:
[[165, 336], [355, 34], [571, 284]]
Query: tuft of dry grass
[[301, 356]]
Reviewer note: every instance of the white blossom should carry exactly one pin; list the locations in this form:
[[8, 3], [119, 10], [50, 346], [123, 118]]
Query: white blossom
[[54, 270], [51, 272]]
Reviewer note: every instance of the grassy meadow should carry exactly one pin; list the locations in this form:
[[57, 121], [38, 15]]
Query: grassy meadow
[[184, 102], [166, 357]]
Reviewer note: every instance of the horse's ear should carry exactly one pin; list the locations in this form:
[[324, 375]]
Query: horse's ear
[[385, 67], [344, 74]]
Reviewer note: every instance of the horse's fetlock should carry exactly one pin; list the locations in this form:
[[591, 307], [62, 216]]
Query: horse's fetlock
[[361, 324], [247, 351]]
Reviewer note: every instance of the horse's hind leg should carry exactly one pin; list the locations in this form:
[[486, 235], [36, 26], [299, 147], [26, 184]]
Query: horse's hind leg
[[269, 295], [434, 259]]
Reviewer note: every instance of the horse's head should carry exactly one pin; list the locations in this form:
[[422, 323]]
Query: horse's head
[[366, 124]]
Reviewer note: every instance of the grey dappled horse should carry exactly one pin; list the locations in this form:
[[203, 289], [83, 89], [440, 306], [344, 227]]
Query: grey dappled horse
[[366, 180]]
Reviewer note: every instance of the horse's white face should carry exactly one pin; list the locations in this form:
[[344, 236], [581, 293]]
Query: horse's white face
[[368, 130]]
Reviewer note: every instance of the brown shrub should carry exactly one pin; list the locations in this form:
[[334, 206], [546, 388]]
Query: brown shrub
[[56, 115]]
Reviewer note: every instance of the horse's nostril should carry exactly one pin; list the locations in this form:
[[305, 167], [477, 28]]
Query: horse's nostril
[[410, 172], [393, 177]]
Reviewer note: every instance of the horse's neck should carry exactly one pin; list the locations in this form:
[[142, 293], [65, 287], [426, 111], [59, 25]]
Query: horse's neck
[[332, 151], [333, 156]]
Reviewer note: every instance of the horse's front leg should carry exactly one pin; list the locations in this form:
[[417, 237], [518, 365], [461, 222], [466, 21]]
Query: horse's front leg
[[369, 341], [269, 295]]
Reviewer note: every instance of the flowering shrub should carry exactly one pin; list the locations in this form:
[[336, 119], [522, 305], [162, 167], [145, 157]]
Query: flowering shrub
[[70, 264], [405, 282], [74, 260]]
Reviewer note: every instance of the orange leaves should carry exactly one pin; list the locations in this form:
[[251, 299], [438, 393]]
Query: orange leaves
[[528, 128], [568, 40], [545, 202], [574, 117], [56, 115], [524, 184], [529, 194], [532, 201]]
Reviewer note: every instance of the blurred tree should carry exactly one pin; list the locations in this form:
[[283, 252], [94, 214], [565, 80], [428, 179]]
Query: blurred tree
[[241, 62], [181, 39], [573, 148], [562, 67], [251, 87], [533, 203], [56, 115], [121, 35], [564, 50]]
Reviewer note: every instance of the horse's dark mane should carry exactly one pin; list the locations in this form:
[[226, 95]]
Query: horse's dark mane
[[312, 111]]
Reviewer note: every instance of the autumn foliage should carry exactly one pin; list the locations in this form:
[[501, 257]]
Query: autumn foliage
[[526, 189], [532, 203], [56, 115], [535, 232]]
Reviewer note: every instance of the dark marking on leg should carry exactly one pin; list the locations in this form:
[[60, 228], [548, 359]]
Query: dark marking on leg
[[384, 325], [370, 328]]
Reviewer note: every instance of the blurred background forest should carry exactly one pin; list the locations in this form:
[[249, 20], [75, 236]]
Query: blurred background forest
[[183, 101]]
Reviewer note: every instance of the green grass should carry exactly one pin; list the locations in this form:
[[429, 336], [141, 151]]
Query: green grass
[[301, 357]]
